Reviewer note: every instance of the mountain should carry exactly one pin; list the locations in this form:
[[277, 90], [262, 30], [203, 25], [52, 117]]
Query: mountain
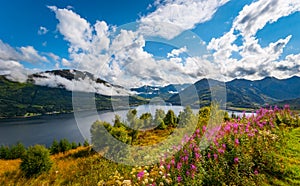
[[164, 92], [74, 80], [198, 94], [240, 92], [50, 92], [293, 103]]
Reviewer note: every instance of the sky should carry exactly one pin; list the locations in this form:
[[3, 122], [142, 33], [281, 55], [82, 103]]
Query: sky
[[153, 42]]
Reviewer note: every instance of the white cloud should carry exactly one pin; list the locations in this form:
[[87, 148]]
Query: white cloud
[[31, 55], [255, 61], [65, 62], [53, 56], [172, 17], [42, 30], [120, 58], [10, 59], [13, 70], [177, 52], [8, 53], [83, 85], [255, 16], [75, 29]]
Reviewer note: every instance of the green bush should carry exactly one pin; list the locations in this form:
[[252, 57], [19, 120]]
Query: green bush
[[35, 161], [64, 145], [17, 151], [54, 148]]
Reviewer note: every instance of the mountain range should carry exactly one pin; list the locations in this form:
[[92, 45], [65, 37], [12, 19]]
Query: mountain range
[[52, 91], [242, 93]]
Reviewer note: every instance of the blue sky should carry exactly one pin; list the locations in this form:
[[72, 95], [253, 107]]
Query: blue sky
[[151, 41]]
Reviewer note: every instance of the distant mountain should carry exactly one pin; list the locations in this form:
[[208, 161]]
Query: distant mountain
[[74, 80], [164, 92], [198, 94], [242, 93], [55, 96], [293, 103]]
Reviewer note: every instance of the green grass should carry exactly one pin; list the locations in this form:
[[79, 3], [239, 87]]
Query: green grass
[[290, 156]]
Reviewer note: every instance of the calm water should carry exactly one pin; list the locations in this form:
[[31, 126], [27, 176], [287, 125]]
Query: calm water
[[44, 129]]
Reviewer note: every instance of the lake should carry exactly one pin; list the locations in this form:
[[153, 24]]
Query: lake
[[44, 129]]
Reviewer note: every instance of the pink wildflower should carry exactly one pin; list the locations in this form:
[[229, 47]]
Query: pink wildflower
[[140, 174], [179, 179], [236, 160], [236, 142]]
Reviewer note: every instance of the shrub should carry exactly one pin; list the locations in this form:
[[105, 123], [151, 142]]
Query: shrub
[[17, 151], [54, 148], [64, 145], [35, 161]]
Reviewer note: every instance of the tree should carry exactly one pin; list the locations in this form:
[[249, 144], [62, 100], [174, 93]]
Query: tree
[[4, 152], [100, 135], [186, 117], [117, 121], [134, 123], [74, 145], [86, 143], [35, 161], [159, 119], [146, 120], [54, 148], [17, 151], [64, 145], [170, 119]]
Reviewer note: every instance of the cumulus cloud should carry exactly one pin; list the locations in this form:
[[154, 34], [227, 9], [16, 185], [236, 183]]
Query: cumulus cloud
[[119, 56], [172, 17], [11, 58], [255, 61], [42, 30], [177, 52], [83, 85], [75, 29], [13, 70], [255, 16], [31, 55]]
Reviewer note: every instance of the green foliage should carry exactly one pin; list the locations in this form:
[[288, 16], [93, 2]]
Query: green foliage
[[100, 135], [146, 120], [5, 152], [17, 151], [86, 143], [185, 117], [159, 119], [64, 145], [54, 148], [35, 161], [14, 152], [171, 119], [74, 145], [117, 121]]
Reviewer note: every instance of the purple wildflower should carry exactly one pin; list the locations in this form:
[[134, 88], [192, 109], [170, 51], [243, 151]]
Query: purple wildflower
[[236, 142], [179, 179], [215, 156], [140, 174], [193, 167], [236, 160]]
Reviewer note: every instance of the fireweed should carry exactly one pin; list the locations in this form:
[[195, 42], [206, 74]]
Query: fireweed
[[240, 153]]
